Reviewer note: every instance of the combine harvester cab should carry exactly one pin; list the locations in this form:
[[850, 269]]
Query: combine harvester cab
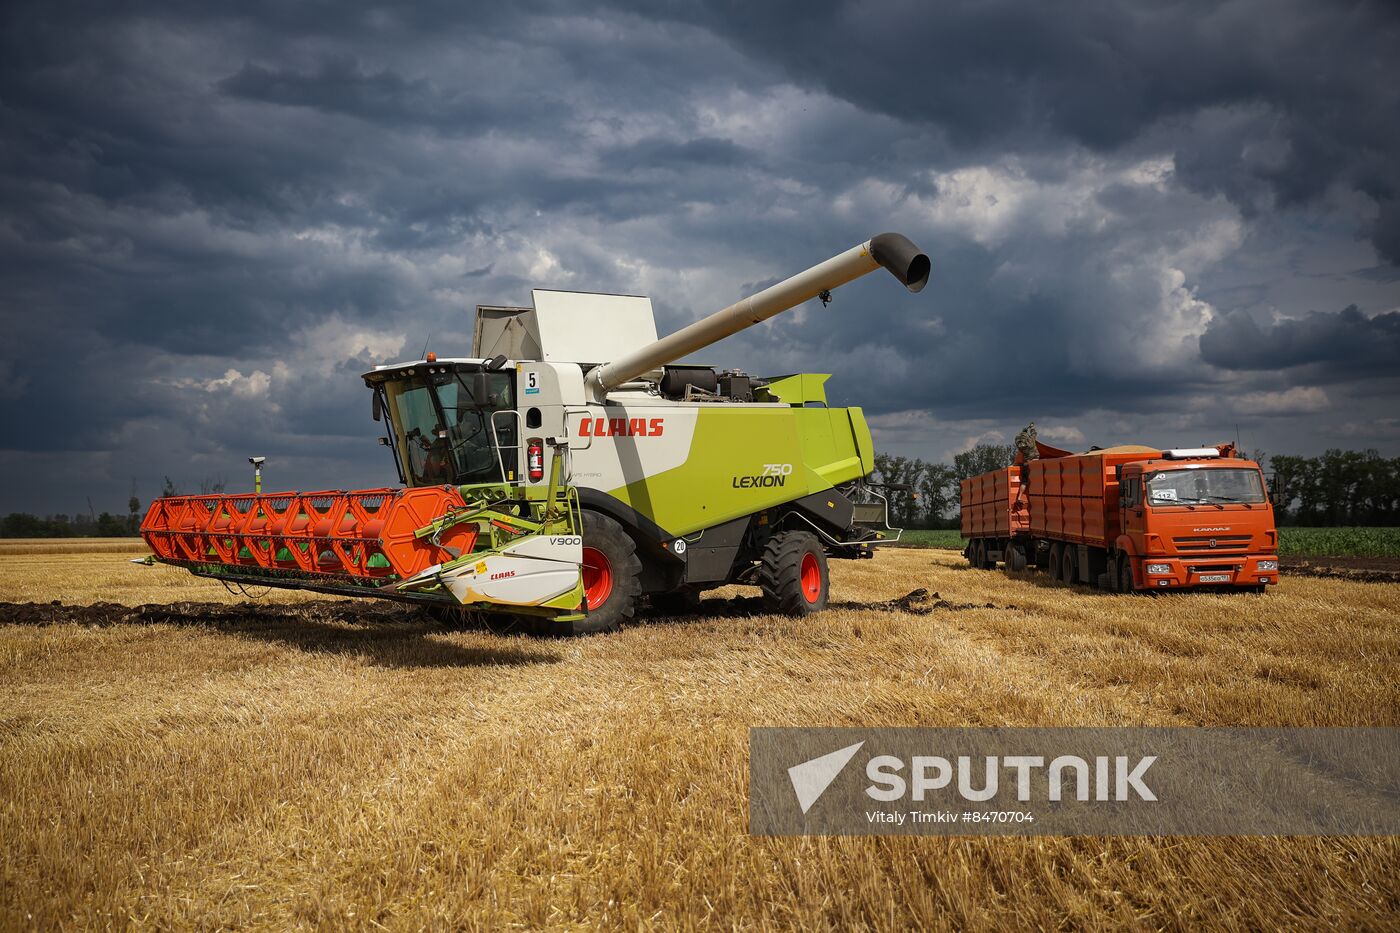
[[541, 480], [1127, 518]]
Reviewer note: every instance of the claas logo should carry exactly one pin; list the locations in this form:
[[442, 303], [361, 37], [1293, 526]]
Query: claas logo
[[621, 427]]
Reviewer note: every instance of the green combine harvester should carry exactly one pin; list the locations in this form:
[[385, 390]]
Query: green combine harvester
[[571, 467]]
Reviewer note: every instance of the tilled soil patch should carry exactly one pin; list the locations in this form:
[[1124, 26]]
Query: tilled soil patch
[[213, 615], [1359, 569]]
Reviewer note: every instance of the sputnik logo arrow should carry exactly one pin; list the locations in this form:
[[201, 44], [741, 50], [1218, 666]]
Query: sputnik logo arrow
[[811, 778]]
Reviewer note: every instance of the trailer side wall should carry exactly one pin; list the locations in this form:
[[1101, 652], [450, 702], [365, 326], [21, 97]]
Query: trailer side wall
[[994, 505], [1075, 498]]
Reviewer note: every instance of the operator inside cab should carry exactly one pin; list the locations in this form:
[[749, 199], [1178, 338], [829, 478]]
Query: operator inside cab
[[453, 425]]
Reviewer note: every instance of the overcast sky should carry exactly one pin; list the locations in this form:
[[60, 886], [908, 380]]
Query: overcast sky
[[1149, 222]]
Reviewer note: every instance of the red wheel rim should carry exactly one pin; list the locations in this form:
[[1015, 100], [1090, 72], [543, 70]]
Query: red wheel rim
[[597, 577], [811, 577]]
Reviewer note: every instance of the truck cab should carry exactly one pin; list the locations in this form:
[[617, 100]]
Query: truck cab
[[1196, 519]]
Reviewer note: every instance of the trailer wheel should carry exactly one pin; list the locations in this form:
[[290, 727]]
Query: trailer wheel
[[1015, 558], [1057, 553], [1068, 571], [792, 574], [611, 578]]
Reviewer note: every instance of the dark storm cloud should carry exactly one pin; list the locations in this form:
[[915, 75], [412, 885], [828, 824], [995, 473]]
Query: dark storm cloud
[[704, 151], [217, 216], [1318, 80], [341, 84], [1347, 344], [1386, 233]]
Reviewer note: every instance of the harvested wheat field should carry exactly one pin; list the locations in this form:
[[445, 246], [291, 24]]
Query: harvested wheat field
[[314, 762]]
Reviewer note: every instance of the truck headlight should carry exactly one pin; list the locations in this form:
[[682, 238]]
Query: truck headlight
[[1267, 565], [1159, 568]]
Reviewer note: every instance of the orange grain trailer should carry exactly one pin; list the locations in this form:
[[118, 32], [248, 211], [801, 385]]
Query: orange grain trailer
[[1127, 518], [994, 513]]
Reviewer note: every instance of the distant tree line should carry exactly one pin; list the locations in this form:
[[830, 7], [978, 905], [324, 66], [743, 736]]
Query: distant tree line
[[93, 525], [105, 525], [933, 488], [1341, 487]]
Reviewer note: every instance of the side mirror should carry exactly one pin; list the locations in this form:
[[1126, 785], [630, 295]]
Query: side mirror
[[377, 407], [480, 388]]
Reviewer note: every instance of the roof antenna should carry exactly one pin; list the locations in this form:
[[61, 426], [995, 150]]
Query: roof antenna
[[424, 354]]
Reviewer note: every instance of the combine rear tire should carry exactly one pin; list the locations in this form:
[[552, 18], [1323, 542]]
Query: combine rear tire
[[793, 574], [611, 578]]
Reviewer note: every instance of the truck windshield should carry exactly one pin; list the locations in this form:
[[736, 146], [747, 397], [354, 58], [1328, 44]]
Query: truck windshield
[[1211, 485], [442, 426]]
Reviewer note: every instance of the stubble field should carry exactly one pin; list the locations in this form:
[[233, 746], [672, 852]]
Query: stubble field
[[328, 763]]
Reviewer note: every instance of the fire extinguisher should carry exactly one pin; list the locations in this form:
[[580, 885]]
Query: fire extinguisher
[[534, 459]]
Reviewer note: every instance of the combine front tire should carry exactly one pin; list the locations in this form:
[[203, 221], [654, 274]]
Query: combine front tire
[[793, 574], [611, 578]]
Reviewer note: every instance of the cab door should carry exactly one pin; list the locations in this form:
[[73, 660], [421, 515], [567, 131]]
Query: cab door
[[1130, 506]]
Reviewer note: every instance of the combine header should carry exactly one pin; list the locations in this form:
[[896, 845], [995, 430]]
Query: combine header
[[571, 467]]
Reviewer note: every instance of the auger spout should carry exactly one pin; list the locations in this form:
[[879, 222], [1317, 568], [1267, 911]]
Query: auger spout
[[891, 251]]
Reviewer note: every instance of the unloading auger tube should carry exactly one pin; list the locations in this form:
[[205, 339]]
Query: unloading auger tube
[[893, 251]]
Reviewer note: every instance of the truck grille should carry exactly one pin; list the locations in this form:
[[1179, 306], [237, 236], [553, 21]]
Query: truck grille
[[1222, 544]]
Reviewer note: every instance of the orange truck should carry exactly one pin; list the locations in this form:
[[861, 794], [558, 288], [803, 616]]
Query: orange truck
[[1127, 518]]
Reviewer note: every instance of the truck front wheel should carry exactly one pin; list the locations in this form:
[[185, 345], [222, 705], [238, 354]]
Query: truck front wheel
[[1125, 574], [792, 574]]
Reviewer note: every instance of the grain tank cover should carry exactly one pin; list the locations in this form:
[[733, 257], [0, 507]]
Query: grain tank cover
[[566, 327]]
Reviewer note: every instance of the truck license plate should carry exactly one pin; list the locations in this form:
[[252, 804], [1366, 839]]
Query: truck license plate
[[1215, 578]]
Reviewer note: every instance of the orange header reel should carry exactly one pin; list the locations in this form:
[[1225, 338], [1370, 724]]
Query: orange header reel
[[361, 538]]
